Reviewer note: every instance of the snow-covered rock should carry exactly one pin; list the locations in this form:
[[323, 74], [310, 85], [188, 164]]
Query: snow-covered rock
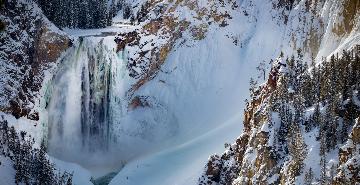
[[30, 45], [187, 65]]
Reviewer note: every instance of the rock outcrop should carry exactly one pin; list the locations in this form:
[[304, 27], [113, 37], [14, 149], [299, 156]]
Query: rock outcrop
[[161, 28], [286, 140], [30, 45], [313, 26]]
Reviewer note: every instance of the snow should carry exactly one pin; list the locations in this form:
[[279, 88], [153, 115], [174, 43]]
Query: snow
[[180, 164], [265, 127], [7, 172], [348, 43], [81, 176], [204, 84], [312, 158], [23, 124], [111, 30]]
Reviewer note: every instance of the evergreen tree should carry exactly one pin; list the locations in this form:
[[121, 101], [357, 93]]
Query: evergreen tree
[[309, 176], [323, 149], [31, 164], [261, 68], [333, 170], [297, 147], [307, 89], [253, 86], [80, 14]]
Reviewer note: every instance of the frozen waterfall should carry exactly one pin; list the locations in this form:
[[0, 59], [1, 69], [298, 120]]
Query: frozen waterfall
[[85, 100]]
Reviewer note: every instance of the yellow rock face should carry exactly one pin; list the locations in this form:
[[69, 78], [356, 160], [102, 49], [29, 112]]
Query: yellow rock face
[[351, 9]]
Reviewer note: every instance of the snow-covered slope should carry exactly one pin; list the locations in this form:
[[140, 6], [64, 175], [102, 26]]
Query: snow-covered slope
[[207, 74], [181, 164], [30, 46], [300, 127], [185, 71]]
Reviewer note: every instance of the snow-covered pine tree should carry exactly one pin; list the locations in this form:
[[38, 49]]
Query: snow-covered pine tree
[[297, 148], [31, 164], [329, 112], [309, 176]]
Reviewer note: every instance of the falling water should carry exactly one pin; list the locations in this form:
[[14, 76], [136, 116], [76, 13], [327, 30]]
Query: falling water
[[84, 100]]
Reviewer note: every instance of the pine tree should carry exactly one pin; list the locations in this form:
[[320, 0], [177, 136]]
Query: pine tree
[[73, 14], [330, 128], [261, 68], [127, 13], [84, 15], [286, 119], [307, 89], [31, 164], [253, 86], [323, 149], [309, 176], [333, 170], [112, 12], [291, 73], [79, 14], [103, 14], [297, 147], [300, 70], [59, 10], [44, 167]]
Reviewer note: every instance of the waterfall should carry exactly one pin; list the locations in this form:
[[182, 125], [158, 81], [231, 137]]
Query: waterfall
[[85, 99]]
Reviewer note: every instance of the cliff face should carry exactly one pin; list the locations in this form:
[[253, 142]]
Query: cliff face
[[318, 28], [300, 127], [30, 45], [255, 30], [162, 27], [189, 62], [32, 42]]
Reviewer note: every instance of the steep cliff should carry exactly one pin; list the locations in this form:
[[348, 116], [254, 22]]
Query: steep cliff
[[176, 76], [178, 50], [30, 45], [318, 28], [300, 127]]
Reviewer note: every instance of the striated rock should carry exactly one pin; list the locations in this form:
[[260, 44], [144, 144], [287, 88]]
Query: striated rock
[[351, 8]]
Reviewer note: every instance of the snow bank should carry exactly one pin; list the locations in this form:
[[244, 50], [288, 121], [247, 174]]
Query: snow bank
[[181, 164]]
